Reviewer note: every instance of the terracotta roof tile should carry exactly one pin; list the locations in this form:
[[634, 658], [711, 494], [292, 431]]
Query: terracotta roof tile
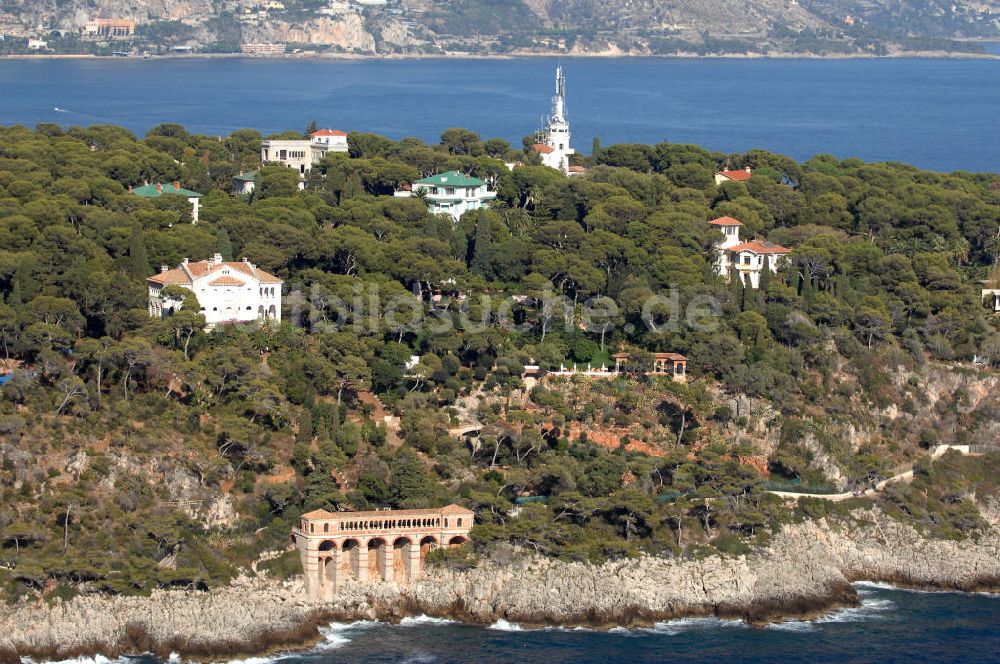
[[760, 247], [199, 269], [541, 148], [726, 221], [175, 276], [226, 280], [318, 514], [739, 176], [328, 132]]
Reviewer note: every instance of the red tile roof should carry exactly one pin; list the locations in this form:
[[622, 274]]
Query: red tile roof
[[577, 169], [760, 247], [739, 176], [726, 221], [225, 281], [196, 269], [541, 148], [328, 132]]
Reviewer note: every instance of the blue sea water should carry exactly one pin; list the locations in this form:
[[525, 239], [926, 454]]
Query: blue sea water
[[934, 113], [890, 626]]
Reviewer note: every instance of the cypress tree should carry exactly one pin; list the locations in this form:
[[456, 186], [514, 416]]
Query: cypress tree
[[482, 252], [736, 286], [138, 259], [223, 245]]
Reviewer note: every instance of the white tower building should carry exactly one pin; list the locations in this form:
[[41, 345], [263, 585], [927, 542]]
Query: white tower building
[[555, 149]]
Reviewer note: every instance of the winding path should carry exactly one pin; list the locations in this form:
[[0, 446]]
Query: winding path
[[906, 476]]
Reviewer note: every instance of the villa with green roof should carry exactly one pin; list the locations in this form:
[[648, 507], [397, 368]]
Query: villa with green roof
[[245, 182], [452, 193], [158, 189]]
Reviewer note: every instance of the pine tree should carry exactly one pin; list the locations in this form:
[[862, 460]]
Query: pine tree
[[223, 245], [312, 127], [138, 259], [595, 149]]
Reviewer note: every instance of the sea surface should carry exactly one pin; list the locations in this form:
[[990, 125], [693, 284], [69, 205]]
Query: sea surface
[[934, 113], [890, 626]]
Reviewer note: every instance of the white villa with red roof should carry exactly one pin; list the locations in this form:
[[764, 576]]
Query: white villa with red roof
[[303, 153], [228, 291], [733, 176], [329, 140], [748, 258]]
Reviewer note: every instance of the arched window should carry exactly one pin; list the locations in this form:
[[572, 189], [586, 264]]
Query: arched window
[[312, 527], [459, 522], [326, 527]]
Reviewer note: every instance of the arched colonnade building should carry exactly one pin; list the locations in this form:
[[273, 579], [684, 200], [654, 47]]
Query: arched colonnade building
[[386, 544]]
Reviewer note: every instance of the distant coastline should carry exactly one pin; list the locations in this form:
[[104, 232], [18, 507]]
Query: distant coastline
[[902, 55]]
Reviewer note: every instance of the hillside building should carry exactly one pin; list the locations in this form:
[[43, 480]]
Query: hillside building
[[329, 140], [159, 189], [391, 545], [733, 176], [245, 182], [451, 193], [749, 259], [302, 154], [110, 28], [228, 291]]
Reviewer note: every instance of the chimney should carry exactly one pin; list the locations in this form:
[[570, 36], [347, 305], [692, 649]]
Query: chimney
[[184, 261], [159, 188], [177, 184], [748, 169], [163, 268], [217, 258]]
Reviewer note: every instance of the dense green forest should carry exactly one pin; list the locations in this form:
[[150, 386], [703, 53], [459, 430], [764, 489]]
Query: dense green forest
[[140, 453]]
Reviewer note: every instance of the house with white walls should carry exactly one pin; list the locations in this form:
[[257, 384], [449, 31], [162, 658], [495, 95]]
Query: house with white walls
[[451, 193], [741, 175], [159, 189], [749, 259], [329, 140], [227, 291]]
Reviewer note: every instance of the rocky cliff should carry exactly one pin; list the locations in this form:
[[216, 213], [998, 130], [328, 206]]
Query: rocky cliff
[[609, 27], [807, 569]]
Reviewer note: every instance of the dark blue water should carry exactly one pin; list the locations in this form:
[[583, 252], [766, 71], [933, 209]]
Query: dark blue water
[[891, 626], [935, 113]]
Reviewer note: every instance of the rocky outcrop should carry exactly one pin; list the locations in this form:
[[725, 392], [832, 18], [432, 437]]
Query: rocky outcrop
[[807, 569], [347, 32]]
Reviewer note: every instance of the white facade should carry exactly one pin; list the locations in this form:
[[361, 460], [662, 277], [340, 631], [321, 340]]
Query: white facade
[[328, 140], [302, 154], [452, 193], [555, 147], [748, 258], [228, 291], [296, 154]]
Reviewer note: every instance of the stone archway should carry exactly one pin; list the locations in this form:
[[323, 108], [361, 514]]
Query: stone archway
[[327, 568], [379, 564], [427, 544], [457, 540], [350, 559], [402, 549]]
